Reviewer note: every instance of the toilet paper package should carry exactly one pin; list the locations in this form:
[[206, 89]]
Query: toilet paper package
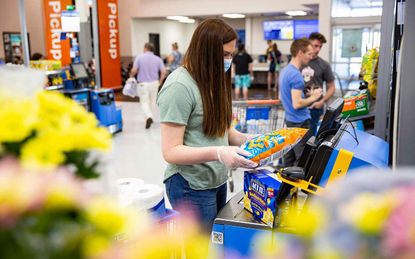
[[147, 197], [126, 185], [151, 198]]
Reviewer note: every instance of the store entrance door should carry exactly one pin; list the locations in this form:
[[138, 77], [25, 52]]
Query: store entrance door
[[155, 39]]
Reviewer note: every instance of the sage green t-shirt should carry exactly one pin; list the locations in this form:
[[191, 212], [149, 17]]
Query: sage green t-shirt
[[180, 102]]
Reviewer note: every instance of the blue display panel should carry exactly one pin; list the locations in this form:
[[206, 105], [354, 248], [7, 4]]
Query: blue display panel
[[303, 28], [279, 30]]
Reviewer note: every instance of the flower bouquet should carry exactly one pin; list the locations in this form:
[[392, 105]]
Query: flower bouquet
[[370, 214], [51, 215], [46, 210], [45, 129]]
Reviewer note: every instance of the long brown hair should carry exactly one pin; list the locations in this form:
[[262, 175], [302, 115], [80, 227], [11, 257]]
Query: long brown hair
[[204, 61]]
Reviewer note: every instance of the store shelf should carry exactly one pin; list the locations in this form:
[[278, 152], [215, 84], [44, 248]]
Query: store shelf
[[54, 87], [372, 113], [53, 72]]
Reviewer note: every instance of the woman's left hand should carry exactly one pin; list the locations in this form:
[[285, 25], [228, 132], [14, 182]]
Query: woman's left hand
[[251, 136]]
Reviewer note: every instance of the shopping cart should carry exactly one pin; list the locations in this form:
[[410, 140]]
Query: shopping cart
[[255, 117]]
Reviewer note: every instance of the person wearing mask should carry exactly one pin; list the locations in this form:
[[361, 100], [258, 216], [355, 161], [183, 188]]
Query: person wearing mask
[[174, 60], [315, 74], [150, 72], [198, 141], [293, 98], [242, 68]]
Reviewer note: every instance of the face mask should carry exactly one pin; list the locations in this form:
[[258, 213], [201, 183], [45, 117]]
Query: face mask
[[228, 63]]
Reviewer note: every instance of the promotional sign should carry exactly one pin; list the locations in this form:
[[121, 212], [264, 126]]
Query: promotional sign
[[56, 48], [109, 43], [71, 22]]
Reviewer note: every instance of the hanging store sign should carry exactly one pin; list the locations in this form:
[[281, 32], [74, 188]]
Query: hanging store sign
[[109, 43], [56, 48], [71, 21]]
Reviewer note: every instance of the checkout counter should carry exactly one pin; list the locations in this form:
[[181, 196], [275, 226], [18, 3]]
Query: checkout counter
[[101, 102], [337, 150], [260, 73]]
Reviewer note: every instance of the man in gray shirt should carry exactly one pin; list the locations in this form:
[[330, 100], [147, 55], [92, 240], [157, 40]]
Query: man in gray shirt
[[315, 74], [150, 72]]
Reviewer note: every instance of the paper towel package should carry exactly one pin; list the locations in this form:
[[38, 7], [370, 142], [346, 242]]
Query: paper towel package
[[260, 192]]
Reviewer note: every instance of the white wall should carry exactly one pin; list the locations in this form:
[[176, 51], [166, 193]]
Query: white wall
[[10, 22], [170, 31], [130, 10], [237, 24], [161, 8]]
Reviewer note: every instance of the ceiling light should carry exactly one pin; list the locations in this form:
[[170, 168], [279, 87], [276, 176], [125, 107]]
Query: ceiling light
[[296, 13], [233, 15], [187, 20], [177, 17]]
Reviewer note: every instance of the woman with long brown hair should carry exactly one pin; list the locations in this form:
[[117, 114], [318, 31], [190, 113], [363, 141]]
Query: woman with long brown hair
[[198, 141]]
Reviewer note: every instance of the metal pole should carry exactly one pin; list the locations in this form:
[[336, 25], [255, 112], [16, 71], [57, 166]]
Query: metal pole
[[404, 112], [96, 44], [25, 43], [383, 95]]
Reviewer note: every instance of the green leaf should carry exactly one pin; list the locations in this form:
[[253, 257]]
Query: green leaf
[[14, 148], [84, 168]]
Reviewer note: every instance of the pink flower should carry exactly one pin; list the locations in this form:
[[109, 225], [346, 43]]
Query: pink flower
[[399, 233], [25, 191]]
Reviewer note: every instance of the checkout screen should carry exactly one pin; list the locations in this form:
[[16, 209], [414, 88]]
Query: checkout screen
[[79, 71]]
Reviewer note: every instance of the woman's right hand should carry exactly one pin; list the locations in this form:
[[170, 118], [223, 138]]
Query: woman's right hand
[[232, 157]]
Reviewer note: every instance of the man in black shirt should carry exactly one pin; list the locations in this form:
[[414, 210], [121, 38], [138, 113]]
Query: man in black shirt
[[315, 74], [243, 73]]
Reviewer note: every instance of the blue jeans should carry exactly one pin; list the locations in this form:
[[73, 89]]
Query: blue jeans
[[315, 118], [204, 203]]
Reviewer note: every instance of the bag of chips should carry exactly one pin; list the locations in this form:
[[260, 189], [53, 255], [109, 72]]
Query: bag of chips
[[268, 147]]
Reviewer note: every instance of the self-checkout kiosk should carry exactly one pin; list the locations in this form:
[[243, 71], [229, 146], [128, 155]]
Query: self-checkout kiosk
[[336, 151], [101, 102], [104, 108]]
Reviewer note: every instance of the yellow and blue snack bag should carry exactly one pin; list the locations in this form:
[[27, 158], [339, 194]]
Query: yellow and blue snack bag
[[268, 147], [260, 193]]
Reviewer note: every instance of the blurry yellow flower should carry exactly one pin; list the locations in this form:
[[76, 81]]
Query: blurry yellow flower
[[79, 115], [18, 119], [53, 103], [307, 221], [159, 243], [327, 254], [107, 216], [42, 152], [266, 247], [60, 196], [95, 245], [368, 212], [76, 128], [84, 138]]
